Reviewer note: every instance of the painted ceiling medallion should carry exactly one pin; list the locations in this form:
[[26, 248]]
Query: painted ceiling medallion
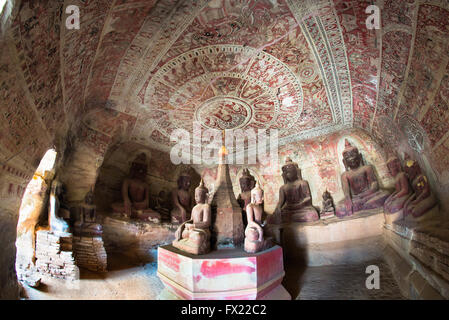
[[227, 87], [224, 113]]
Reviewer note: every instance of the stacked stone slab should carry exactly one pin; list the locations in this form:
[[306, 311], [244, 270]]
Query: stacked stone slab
[[90, 253], [54, 255], [421, 265]]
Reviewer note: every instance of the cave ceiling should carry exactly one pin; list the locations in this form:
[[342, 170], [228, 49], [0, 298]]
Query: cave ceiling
[[306, 68]]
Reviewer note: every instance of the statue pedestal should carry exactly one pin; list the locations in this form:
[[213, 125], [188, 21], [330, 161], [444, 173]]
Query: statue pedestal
[[227, 274]]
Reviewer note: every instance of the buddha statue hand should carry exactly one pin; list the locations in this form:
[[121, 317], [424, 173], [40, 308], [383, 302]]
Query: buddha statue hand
[[187, 225]]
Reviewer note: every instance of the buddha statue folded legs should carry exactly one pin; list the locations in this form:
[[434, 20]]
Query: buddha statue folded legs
[[295, 200], [422, 204], [396, 201], [247, 183], [193, 236], [136, 194], [360, 185], [254, 235], [87, 225], [181, 199]]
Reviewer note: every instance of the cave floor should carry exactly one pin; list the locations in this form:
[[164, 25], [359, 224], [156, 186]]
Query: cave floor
[[340, 282], [134, 280], [127, 279]]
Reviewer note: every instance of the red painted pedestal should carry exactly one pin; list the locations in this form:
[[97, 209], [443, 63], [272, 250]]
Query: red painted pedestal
[[225, 274]]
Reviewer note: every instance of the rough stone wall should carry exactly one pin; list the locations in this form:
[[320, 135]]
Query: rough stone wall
[[30, 99], [54, 255], [420, 261], [90, 253], [8, 282], [136, 238]]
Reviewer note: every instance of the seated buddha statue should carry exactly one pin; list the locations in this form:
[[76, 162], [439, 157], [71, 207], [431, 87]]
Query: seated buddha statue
[[423, 199], [247, 183], [87, 224], [360, 186], [396, 201], [181, 199], [254, 239], [295, 200], [328, 210], [136, 194], [193, 236]]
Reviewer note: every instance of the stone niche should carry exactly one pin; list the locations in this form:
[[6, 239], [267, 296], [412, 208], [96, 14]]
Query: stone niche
[[162, 174]]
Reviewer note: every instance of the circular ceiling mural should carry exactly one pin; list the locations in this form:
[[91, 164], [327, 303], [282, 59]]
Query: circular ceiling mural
[[224, 113], [227, 87]]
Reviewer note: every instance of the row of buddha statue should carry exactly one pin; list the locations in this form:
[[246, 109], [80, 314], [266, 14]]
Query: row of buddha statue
[[360, 187], [193, 236]]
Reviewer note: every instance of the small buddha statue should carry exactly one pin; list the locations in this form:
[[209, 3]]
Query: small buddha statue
[[181, 199], [136, 194], [295, 200], [87, 224], [396, 201], [423, 199], [247, 183], [193, 236], [56, 223], [360, 185], [254, 239], [328, 210]]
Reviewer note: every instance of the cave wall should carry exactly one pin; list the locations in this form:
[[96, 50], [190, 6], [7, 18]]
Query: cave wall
[[31, 113], [162, 175], [413, 107], [321, 162]]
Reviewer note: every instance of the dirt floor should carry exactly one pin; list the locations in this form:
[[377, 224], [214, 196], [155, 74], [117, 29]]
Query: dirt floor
[[127, 279], [130, 279]]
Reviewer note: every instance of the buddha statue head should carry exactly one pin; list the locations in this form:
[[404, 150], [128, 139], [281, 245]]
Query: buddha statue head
[[184, 181], [257, 194], [290, 170], [201, 193], [352, 158], [139, 167], [411, 168], [394, 166], [326, 195], [247, 181]]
